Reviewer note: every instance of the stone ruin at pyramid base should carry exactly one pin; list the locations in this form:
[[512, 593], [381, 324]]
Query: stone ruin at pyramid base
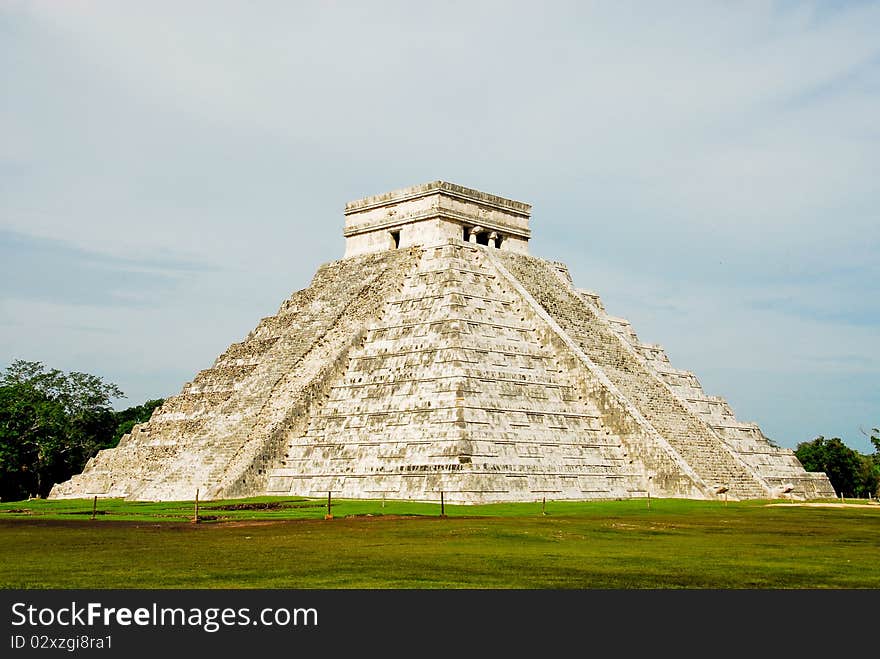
[[438, 356]]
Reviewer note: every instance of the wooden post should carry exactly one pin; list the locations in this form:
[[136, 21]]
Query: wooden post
[[544, 505], [649, 492], [442, 505], [329, 515], [196, 513], [95, 506]]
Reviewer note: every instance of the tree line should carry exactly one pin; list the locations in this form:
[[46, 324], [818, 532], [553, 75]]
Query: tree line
[[52, 422]]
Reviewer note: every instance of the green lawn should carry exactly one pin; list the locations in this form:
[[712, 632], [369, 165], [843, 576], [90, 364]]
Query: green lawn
[[287, 543]]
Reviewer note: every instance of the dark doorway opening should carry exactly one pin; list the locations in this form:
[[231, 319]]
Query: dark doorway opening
[[395, 238]]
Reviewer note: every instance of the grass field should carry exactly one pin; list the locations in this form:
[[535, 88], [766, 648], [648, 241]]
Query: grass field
[[287, 543]]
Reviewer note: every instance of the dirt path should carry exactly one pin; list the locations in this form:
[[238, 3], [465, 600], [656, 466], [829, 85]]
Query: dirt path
[[829, 505]]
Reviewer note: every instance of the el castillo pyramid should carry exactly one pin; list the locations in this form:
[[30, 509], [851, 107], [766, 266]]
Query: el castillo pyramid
[[438, 356]]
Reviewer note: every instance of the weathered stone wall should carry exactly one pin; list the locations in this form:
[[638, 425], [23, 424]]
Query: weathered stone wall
[[454, 391], [778, 466], [663, 469], [774, 467], [208, 437], [688, 435]]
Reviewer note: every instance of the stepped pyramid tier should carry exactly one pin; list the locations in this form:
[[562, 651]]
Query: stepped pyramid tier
[[439, 356]]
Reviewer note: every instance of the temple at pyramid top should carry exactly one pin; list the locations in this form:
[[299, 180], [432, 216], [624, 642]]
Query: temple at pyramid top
[[433, 213]]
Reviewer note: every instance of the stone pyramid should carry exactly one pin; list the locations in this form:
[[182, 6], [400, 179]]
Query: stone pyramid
[[438, 356]]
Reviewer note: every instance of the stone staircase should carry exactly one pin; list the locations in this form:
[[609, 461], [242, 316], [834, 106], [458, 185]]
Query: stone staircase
[[777, 466], [197, 440], [453, 390], [691, 438]]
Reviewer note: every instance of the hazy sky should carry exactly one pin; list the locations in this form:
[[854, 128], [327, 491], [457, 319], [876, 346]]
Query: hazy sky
[[171, 171]]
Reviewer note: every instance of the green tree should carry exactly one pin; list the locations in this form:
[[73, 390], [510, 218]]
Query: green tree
[[51, 423], [32, 430], [868, 481], [851, 473], [130, 417]]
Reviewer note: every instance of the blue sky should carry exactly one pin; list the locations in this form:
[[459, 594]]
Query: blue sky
[[170, 172]]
